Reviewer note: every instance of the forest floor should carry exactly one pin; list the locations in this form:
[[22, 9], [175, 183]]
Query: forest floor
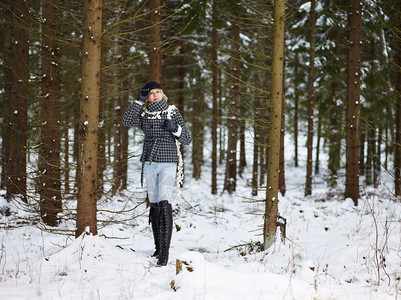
[[333, 250]]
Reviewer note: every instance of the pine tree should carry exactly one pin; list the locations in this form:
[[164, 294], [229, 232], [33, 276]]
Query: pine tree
[[49, 153], [155, 55], [215, 114], [353, 101], [89, 117], [230, 180], [311, 99], [271, 205], [16, 165]]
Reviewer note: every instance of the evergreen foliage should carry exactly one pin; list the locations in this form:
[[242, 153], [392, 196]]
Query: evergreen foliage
[[186, 51]]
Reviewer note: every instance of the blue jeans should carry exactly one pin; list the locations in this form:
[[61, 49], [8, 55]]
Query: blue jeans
[[160, 181]]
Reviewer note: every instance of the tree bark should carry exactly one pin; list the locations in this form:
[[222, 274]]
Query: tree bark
[[215, 112], [89, 117], [117, 109], [222, 131], [335, 134], [263, 137], [16, 167], [155, 55], [66, 148], [281, 175], [353, 101], [124, 95], [255, 165], [296, 109], [256, 143], [271, 208], [6, 103], [241, 136], [370, 155], [49, 152], [197, 138], [231, 159], [377, 162], [363, 134], [397, 144], [311, 99], [318, 138]]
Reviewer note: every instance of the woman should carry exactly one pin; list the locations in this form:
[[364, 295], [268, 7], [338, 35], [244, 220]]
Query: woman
[[164, 130]]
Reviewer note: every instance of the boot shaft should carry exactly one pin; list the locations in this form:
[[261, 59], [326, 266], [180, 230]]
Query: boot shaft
[[166, 229], [154, 220]]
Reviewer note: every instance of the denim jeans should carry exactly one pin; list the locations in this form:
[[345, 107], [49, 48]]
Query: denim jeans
[[160, 181]]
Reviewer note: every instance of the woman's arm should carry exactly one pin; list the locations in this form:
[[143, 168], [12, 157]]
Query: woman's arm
[[185, 137], [132, 117]]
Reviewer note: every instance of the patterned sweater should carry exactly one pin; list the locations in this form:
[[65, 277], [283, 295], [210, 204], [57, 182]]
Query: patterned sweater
[[159, 145]]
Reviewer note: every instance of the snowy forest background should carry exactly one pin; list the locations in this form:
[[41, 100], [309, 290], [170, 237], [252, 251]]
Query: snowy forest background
[[213, 59]]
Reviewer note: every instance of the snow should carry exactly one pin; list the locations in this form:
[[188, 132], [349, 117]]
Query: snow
[[333, 250]]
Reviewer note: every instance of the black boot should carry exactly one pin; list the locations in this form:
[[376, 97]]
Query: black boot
[[154, 219], [166, 229]]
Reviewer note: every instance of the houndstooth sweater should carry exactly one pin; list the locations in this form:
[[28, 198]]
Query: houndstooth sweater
[[159, 145]]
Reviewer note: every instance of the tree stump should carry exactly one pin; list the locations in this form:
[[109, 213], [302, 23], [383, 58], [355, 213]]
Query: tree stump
[[179, 265]]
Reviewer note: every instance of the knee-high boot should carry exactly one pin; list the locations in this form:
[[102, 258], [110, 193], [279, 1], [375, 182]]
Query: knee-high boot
[[166, 229], [154, 219]]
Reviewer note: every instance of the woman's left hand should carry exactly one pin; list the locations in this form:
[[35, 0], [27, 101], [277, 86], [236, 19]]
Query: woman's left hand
[[170, 125]]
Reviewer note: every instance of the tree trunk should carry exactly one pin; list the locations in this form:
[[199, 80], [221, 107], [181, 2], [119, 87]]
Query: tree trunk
[[377, 161], [181, 88], [89, 117], [362, 151], [124, 107], [370, 156], [296, 109], [197, 138], [75, 120], [353, 101], [311, 98], [271, 208], [256, 144], [241, 136], [101, 152], [6, 103], [318, 138], [49, 152], [255, 166], [215, 111], [16, 167], [155, 55], [231, 160], [117, 152], [222, 132], [123, 71], [66, 143], [281, 177], [387, 146], [117, 111], [335, 135], [263, 136], [397, 144]]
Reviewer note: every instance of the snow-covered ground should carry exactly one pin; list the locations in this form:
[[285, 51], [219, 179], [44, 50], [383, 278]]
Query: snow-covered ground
[[333, 250]]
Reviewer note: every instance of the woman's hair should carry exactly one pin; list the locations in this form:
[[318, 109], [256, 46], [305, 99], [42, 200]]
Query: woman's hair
[[164, 96]]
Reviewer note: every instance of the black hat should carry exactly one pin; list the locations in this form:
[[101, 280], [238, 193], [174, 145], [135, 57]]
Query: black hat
[[145, 90], [152, 85]]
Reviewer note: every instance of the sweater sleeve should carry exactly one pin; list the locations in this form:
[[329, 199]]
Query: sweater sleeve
[[185, 137], [132, 117]]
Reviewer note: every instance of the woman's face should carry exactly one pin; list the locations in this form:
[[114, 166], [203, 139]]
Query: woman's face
[[154, 95]]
